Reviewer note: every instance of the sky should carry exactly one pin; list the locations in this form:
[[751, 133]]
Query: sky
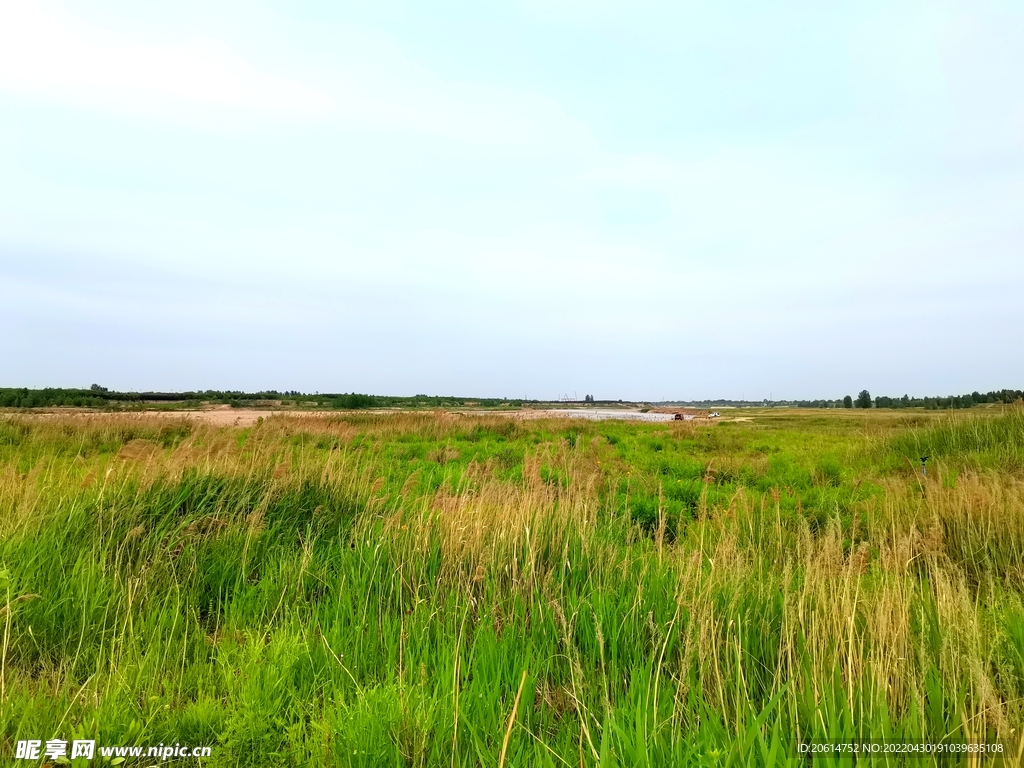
[[540, 198]]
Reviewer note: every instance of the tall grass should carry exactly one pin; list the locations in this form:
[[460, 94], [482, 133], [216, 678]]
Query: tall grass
[[376, 590], [969, 439]]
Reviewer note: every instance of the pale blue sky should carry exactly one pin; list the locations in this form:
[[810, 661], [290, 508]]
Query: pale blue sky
[[635, 200]]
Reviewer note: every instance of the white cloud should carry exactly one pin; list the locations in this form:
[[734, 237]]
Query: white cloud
[[366, 83], [44, 50], [637, 171], [379, 86]]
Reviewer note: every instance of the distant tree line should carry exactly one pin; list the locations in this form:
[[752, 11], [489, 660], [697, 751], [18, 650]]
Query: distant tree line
[[865, 400], [951, 401], [97, 396], [101, 397]]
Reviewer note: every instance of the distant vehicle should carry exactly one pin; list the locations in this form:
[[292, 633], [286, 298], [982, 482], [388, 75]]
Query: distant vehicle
[[714, 415]]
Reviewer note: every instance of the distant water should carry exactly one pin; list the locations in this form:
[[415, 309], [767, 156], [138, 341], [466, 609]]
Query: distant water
[[599, 415]]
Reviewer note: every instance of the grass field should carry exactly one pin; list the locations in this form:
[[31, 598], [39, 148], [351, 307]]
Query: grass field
[[438, 590]]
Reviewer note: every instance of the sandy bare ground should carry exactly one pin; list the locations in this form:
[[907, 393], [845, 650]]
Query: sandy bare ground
[[593, 414], [246, 417], [226, 416], [220, 416]]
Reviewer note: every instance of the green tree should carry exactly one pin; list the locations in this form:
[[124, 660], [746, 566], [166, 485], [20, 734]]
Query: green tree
[[864, 399], [847, 402]]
